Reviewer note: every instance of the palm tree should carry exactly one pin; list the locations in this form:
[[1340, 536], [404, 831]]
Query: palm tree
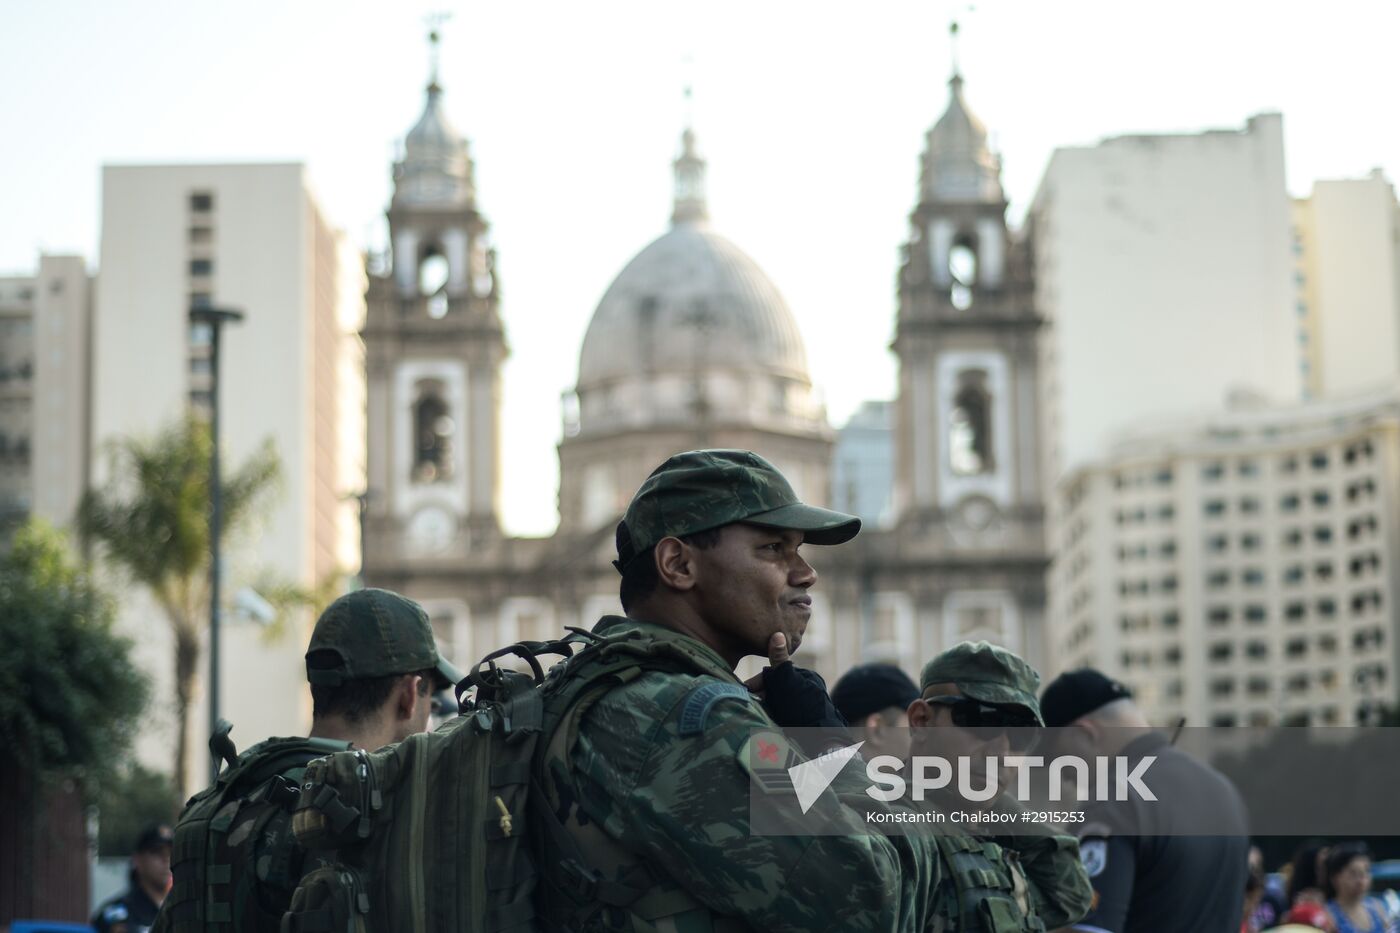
[[152, 521]]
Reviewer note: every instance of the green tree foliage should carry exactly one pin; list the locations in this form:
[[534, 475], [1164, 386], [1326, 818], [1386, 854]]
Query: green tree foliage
[[152, 520], [129, 800], [70, 696]]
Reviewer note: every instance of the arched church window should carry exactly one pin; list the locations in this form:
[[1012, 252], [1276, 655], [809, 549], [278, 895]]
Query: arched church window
[[970, 450], [433, 271], [432, 435], [962, 270]]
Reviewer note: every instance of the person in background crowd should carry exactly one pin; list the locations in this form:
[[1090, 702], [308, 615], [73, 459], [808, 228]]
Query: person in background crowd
[[1305, 873], [1273, 902], [1139, 867], [134, 910], [875, 698], [1347, 885], [1253, 894]]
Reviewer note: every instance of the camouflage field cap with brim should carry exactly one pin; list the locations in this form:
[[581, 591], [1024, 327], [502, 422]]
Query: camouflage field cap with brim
[[374, 633], [985, 672], [703, 489]]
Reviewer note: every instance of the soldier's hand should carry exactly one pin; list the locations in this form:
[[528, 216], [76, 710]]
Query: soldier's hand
[[796, 698]]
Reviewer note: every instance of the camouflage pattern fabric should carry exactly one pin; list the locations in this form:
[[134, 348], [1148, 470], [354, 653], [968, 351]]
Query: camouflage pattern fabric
[[374, 633], [235, 861], [662, 807], [986, 672], [703, 489]]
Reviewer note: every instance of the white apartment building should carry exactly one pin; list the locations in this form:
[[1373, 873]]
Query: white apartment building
[[45, 322], [1240, 569], [1347, 254], [251, 237], [1162, 266]]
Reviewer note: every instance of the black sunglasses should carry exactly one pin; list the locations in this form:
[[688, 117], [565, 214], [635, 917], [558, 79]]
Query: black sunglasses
[[987, 722]]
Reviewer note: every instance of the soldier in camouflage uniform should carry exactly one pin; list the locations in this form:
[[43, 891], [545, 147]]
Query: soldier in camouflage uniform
[[646, 782], [977, 699], [372, 663]]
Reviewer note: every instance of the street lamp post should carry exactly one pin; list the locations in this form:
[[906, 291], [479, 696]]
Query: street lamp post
[[215, 318]]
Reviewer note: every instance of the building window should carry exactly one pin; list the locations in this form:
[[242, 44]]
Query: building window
[[1217, 544], [1222, 687], [1318, 459], [1218, 615], [1222, 651], [1218, 579], [201, 202], [1323, 570], [1295, 612], [1288, 465], [1213, 471], [962, 270], [201, 334], [201, 300], [1255, 614], [1253, 576], [1171, 619], [1249, 542], [1294, 574], [1322, 534], [970, 426], [1215, 507], [201, 235], [432, 433], [1258, 686], [1296, 648], [1327, 607], [1289, 503], [201, 267], [1248, 468], [1321, 498], [1249, 505], [1257, 651]]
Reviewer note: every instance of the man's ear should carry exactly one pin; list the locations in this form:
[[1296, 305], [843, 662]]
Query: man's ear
[[409, 698], [920, 713], [675, 564]]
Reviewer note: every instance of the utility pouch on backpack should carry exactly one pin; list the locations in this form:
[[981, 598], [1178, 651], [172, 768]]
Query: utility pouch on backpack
[[216, 877], [433, 829], [328, 900]]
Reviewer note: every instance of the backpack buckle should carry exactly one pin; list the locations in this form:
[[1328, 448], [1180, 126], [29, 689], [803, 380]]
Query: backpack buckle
[[581, 884]]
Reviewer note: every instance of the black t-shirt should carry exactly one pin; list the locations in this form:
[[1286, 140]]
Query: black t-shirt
[[1146, 881], [131, 912]]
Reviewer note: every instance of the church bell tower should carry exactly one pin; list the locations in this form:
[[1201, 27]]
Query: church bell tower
[[968, 486], [434, 347]]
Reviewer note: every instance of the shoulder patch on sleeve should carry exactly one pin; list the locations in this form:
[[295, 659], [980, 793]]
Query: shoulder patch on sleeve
[[766, 757], [703, 699], [1094, 855]]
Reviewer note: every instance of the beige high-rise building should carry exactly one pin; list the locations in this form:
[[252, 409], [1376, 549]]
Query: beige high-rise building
[[1347, 254], [251, 237], [45, 322], [1240, 569], [1163, 268]]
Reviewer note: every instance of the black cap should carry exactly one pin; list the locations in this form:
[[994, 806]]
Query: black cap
[[1078, 693], [154, 837], [870, 688]]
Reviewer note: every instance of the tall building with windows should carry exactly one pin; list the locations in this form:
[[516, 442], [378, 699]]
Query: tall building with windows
[[1347, 253], [1153, 250], [251, 237], [694, 346], [1241, 569], [45, 322]]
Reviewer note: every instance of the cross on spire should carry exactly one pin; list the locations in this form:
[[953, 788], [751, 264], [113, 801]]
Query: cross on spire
[[434, 22]]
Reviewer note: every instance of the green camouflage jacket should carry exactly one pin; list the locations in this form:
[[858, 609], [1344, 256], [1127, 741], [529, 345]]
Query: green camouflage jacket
[[652, 782]]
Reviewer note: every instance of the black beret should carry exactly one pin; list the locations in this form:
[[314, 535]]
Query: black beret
[[1078, 693], [870, 688]]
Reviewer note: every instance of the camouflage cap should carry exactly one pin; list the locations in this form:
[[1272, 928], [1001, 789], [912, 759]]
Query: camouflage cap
[[374, 633], [985, 672], [703, 489]]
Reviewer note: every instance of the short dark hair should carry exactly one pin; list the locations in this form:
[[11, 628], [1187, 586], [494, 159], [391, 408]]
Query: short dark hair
[[357, 700], [639, 577]]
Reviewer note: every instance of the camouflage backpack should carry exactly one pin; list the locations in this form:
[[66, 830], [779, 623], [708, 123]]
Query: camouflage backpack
[[437, 833], [216, 877]]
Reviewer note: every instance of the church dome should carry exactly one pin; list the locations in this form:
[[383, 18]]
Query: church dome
[[691, 301]]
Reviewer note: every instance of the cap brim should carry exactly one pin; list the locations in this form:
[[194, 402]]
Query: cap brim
[[818, 526], [447, 675], [1001, 695]]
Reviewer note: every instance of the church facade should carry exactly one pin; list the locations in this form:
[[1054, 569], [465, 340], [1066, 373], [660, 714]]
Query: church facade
[[693, 346]]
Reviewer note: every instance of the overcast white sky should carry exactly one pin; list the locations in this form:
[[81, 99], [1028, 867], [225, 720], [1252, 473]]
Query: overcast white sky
[[812, 115]]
